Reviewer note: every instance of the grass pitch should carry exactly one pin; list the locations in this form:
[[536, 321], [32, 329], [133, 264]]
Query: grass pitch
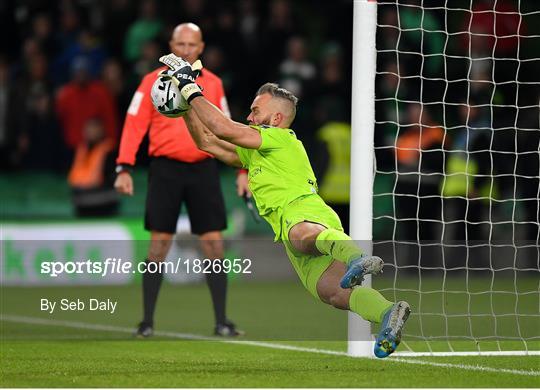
[[90, 349]]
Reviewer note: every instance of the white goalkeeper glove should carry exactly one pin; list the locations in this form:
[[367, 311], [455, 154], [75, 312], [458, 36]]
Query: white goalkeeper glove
[[183, 74]]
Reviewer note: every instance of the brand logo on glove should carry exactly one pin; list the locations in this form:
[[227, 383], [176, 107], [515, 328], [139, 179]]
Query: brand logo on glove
[[185, 77]]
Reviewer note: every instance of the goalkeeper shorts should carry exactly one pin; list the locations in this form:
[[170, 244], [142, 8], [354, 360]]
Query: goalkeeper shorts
[[308, 208]]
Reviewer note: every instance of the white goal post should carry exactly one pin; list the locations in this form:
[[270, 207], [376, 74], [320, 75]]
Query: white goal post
[[446, 146], [362, 123]]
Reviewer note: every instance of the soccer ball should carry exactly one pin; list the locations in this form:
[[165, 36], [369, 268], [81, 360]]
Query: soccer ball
[[167, 98]]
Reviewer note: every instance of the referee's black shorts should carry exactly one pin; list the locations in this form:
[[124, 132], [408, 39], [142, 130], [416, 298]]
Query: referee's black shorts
[[172, 183]]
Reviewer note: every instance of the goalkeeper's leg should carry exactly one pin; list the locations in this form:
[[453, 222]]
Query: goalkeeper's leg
[[364, 301], [315, 239], [367, 302]]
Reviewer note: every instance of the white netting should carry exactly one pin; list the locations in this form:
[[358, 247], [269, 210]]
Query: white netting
[[456, 195]]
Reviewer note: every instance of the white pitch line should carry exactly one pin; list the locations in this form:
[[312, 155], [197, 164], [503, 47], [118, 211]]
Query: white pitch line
[[466, 367], [189, 336], [177, 335], [468, 353]]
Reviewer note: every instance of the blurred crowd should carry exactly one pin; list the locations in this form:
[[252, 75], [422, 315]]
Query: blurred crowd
[[467, 97], [76, 63], [472, 112]]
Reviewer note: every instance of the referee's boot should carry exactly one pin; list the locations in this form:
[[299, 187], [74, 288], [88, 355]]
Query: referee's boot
[[227, 329], [144, 330], [357, 268]]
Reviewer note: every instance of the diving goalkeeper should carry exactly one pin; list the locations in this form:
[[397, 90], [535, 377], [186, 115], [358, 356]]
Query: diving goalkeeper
[[284, 187]]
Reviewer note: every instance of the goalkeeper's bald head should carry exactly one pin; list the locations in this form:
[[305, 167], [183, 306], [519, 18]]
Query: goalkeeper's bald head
[[283, 100]]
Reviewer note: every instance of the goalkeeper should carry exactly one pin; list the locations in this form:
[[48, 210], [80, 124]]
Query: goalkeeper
[[284, 187]]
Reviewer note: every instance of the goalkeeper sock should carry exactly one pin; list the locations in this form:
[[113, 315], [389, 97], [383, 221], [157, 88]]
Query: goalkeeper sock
[[217, 284], [368, 303], [151, 283], [338, 245]]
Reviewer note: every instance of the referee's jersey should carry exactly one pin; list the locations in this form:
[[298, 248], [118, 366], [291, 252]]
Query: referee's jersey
[[169, 137]]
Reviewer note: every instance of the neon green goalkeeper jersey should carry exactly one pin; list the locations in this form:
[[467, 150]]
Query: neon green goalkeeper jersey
[[279, 172]]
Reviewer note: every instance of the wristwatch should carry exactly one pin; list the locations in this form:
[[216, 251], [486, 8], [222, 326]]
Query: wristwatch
[[123, 168]]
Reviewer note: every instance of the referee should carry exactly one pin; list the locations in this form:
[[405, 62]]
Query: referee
[[179, 173]]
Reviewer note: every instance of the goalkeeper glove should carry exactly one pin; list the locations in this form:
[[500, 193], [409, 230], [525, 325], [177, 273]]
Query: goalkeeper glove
[[183, 74]]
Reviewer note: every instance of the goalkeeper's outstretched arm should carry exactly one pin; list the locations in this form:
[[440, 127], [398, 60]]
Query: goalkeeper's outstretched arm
[[208, 142], [224, 128], [184, 75]]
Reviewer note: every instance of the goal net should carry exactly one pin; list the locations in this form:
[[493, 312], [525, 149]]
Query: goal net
[[456, 185]]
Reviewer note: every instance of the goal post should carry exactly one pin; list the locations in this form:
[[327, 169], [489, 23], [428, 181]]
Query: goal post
[[363, 122], [446, 146]]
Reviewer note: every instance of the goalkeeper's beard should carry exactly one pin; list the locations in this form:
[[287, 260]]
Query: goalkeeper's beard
[[265, 121]]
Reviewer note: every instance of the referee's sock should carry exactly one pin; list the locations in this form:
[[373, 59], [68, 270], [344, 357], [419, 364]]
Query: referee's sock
[[217, 284], [151, 283]]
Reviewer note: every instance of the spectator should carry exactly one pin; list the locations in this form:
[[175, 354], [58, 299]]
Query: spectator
[[249, 22], [249, 29], [214, 60], [41, 140], [91, 176], [333, 90], [43, 32], [69, 26], [83, 99], [389, 36], [486, 36], [415, 23], [88, 46], [8, 136], [279, 27], [118, 16], [463, 189], [28, 102], [226, 34], [148, 60], [196, 11], [417, 193], [145, 28], [30, 50], [527, 168], [113, 78], [335, 183], [296, 70], [33, 76], [330, 113], [388, 113]]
